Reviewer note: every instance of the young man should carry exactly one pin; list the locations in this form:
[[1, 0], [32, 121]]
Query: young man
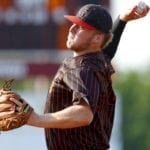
[[80, 104]]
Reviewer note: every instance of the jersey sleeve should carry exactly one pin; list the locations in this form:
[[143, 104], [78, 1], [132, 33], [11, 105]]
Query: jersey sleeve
[[117, 31], [84, 84]]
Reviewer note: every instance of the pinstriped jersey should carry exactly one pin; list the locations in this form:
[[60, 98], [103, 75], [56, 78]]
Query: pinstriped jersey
[[88, 78]]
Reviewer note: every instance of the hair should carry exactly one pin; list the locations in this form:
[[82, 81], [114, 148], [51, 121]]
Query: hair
[[107, 39]]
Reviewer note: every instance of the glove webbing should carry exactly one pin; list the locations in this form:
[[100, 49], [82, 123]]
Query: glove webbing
[[7, 85]]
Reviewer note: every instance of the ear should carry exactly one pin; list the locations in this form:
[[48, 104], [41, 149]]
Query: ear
[[98, 38]]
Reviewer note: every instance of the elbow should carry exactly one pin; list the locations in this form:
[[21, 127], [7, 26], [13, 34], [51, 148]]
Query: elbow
[[88, 118]]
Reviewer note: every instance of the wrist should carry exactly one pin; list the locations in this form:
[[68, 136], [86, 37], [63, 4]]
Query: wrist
[[33, 119], [124, 18]]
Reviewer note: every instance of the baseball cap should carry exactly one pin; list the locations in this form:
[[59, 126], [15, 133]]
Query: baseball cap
[[91, 17]]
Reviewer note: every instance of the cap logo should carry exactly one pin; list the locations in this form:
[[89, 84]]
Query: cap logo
[[83, 12]]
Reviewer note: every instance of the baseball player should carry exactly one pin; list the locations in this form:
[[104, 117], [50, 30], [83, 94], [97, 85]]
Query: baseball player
[[80, 105]]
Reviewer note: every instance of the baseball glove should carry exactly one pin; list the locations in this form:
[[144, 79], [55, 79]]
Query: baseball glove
[[14, 111]]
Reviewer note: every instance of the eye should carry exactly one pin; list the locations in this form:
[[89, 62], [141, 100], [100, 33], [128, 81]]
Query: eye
[[81, 28], [78, 28]]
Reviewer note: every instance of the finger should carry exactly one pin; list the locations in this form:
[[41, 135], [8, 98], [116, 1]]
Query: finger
[[16, 96], [5, 98], [5, 114], [7, 107], [8, 92], [145, 11], [134, 8], [16, 101], [18, 109], [5, 92]]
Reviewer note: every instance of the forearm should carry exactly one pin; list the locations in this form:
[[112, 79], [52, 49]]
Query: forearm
[[117, 31], [71, 117], [129, 15]]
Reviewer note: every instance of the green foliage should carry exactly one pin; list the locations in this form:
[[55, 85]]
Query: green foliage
[[135, 91], [20, 84]]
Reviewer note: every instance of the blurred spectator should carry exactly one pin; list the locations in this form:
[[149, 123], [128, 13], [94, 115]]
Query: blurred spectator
[[6, 4], [37, 23], [7, 12], [56, 10], [101, 2], [32, 11]]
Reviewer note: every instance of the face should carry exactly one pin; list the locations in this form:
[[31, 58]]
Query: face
[[79, 38]]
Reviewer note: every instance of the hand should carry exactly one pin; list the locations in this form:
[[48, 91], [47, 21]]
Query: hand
[[131, 14], [14, 111], [7, 107], [6, 95]]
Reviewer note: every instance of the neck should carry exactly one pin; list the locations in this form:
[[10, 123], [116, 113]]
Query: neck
[[85, 52]]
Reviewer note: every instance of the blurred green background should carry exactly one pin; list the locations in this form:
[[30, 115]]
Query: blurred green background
[[134, 89]]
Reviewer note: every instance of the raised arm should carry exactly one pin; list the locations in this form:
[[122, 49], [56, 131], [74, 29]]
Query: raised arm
[[118, 28]]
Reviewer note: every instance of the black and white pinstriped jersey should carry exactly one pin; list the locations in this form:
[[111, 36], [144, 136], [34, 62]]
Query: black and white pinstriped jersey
[[86, 78]]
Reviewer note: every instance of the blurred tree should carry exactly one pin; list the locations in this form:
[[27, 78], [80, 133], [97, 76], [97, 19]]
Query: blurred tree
[[135, 91]]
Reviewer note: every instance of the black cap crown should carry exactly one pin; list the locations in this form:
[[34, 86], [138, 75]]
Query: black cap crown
[[96, 16]]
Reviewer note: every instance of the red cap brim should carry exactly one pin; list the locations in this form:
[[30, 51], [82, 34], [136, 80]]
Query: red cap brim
[[80, 22]]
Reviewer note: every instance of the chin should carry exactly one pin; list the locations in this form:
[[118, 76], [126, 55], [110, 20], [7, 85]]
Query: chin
[[69, 45]]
